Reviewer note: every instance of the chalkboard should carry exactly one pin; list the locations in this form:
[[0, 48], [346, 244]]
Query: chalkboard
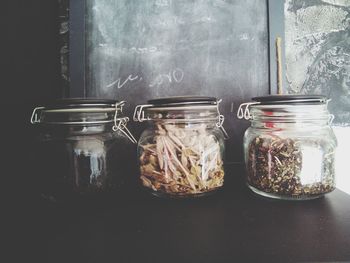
[[138, 50]]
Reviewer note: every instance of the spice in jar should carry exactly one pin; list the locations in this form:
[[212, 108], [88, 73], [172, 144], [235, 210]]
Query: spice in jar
[[182, 160], [290, 167]]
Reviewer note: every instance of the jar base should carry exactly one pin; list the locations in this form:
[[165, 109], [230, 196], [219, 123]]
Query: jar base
[[182, 196], [281, 197]]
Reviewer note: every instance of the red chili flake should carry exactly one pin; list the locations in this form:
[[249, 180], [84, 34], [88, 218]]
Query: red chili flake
[[269, 124]]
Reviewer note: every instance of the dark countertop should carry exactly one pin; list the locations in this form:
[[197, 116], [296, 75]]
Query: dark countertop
[[233, 225]]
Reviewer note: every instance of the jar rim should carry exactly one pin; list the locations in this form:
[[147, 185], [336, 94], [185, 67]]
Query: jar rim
[[291, 100], [81, 110], [189, 113], [73, 103], [183, 101], [287, 106], [181, 107], [291, 113]]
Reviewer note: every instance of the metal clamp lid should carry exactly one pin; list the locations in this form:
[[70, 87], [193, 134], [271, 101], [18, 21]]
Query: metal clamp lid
[[291, 99], [119, 123], [139, 114], [283, 100], [243, 111]]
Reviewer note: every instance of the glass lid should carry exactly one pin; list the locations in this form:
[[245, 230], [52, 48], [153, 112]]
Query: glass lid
[[183, 101], [81, 104], [291, 99]]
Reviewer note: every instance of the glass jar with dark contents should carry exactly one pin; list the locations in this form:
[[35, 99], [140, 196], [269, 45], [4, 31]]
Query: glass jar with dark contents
[[290, 146], [181, 152], [79, 140]]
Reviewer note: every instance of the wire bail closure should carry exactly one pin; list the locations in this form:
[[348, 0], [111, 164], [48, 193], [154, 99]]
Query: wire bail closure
[[331, 119], [35, 118], [139, 115], [120, 123], [221, 121], [243, 110]]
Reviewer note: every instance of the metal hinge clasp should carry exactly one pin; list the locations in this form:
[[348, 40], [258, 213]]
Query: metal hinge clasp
[[139, 113], [220, 123], [35, 115], [243, 110], [120, 123]]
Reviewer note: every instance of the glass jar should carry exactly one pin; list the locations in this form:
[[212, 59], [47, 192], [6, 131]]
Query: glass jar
[[181, 152], [78, 147], [290, 146]]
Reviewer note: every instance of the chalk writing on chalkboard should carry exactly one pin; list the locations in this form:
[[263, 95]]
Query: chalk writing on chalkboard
[[120, 83], [137, 50], [176, 75]]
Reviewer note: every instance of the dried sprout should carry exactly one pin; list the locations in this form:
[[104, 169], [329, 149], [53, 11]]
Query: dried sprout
[[182, 160]]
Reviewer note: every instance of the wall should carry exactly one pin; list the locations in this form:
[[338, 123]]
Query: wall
[[30, 77]]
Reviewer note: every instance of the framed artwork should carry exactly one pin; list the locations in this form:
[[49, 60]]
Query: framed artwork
[[316, 50]]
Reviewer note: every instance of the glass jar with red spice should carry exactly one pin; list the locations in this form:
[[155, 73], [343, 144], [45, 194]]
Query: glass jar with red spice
[[289, 149]]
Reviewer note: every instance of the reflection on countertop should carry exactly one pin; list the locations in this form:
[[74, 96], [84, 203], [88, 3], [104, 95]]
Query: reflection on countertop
[[342, 158]]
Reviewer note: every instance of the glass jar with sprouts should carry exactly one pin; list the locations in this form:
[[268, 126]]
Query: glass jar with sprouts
[[181, 153]]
